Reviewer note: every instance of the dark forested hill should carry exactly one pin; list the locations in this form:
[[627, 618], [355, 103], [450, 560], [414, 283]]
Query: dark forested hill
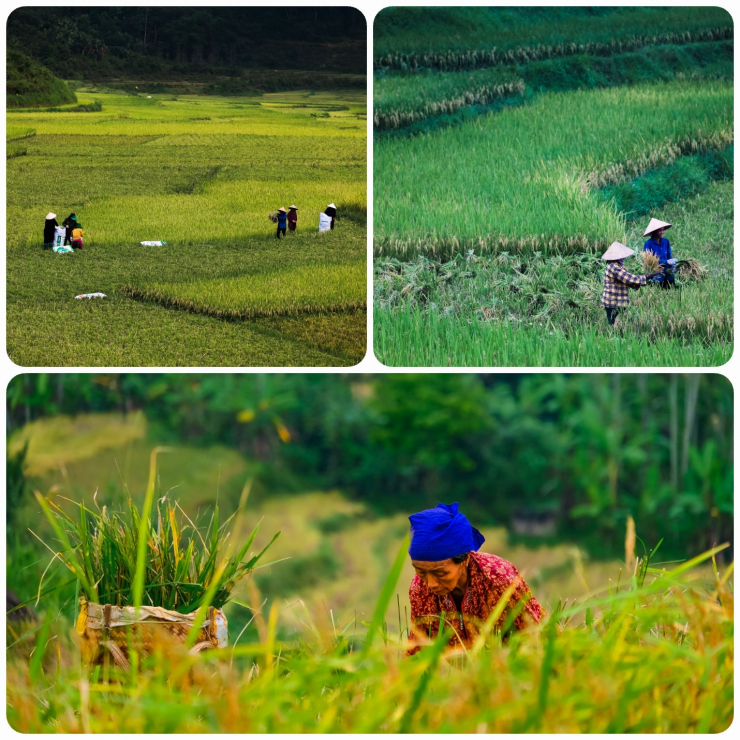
[[104, 43], [30, 84]]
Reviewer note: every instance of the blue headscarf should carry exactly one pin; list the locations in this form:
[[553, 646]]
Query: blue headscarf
[[442, 533]]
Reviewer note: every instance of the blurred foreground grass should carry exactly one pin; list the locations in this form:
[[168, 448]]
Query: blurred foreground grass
[[651, 658]]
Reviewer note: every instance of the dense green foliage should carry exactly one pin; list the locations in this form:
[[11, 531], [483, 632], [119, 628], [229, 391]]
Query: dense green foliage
[[424, 30], [653, 654], [201, 174], [29, 84], [595, 448], [169, 43], [543, 310]]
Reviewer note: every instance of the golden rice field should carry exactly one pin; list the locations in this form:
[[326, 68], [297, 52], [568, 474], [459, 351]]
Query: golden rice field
[[201, 173]]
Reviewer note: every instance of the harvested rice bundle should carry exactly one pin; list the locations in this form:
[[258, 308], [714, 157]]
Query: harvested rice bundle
[[273, 216], [149, 578], [182, 568], [651, 263], [692, 269]]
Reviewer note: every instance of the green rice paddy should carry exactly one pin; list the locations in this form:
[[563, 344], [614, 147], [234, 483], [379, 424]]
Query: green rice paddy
[[513, 180], [202, 174], [510, 152]]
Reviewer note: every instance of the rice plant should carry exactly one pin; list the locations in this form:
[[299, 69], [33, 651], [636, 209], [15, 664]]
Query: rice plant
[[651, 651], [514, 179], [156, 556]]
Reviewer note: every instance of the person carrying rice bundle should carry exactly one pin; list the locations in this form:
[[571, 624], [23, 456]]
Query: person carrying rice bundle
[[282, 221], [292, 217], [50, 226], [661, 248], [618, 281], [453, 577]]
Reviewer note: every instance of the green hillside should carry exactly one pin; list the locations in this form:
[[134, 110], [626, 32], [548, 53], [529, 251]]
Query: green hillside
[[31, 85]]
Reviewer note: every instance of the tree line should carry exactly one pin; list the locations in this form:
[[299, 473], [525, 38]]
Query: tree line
[[99, 43]]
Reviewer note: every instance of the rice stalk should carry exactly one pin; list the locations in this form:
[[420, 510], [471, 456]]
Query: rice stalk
[[478, 58], [179, 567]]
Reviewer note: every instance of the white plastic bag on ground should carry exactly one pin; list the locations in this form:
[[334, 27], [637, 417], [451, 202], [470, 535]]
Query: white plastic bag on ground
[[324, 222], [63, 248], [90, 295], [59, 234], [153, 244]]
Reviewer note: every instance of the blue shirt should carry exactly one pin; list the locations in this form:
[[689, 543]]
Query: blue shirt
[[662, 250], [282, 220]]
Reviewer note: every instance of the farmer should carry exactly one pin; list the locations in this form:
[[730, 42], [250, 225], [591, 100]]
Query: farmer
[[454, 578], [617, 281], [282, 222], [327, 218], [77, 235], [331, 212], [70, 223], [292, 217], [49, 227], [661, 248]]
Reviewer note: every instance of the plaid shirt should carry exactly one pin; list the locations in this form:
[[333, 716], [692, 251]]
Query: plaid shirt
[[617, 282]]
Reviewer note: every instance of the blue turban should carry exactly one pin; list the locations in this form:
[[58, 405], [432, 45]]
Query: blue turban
[[442, 533]]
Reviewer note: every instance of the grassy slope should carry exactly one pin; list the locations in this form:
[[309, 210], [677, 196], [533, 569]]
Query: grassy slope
[[472, 313], [201, 174], [534, 185]]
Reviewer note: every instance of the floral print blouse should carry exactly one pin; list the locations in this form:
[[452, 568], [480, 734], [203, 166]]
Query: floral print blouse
[[488, 577]]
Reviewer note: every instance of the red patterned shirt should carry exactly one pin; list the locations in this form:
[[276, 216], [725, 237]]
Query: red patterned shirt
[[488, 577]]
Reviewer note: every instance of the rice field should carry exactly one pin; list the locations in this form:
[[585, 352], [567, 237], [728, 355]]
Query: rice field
[[405, 38], [513, 146], [294, 291], [400, 101], [511, 181], [200, 173], [538, 310], [649, 652]]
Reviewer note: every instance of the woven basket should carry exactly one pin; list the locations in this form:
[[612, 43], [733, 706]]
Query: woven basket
[[104, 630]]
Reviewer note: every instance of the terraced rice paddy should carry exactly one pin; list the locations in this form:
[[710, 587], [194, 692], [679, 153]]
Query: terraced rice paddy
[[491, 162], [200, 173]]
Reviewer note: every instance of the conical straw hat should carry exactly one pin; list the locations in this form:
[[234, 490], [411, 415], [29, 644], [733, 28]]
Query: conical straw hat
[[656, 224], [617, 251], [294, 207], [331, 205], [282, 209], [50, 215]]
